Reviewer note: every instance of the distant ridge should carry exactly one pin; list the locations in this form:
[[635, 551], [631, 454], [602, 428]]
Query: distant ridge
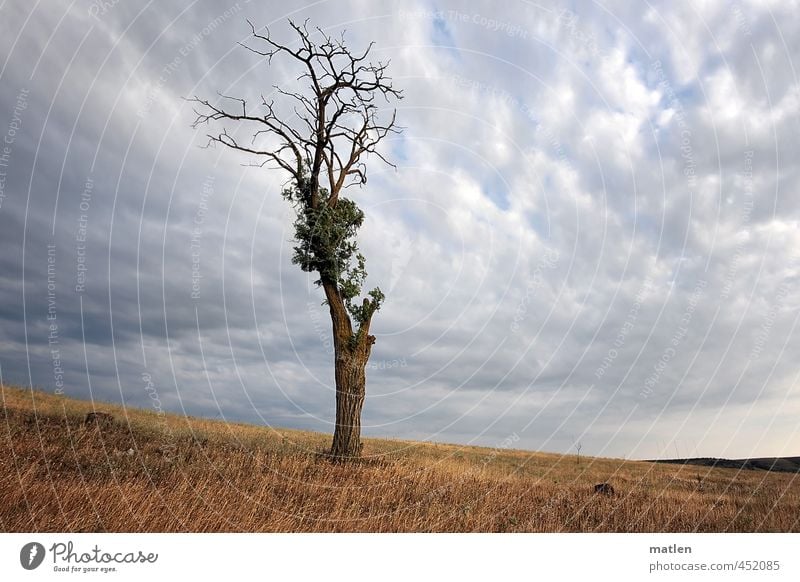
[[779, 464]]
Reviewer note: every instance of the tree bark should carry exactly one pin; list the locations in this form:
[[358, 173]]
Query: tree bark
[[351, 352], [350, 394]]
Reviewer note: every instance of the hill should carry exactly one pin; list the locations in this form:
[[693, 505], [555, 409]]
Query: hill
[[139, 471], [780, 464]]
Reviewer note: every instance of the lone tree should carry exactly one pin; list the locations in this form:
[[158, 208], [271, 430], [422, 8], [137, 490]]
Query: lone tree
[[323, 144]]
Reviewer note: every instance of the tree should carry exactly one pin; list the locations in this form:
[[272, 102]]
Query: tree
[[322, 145]]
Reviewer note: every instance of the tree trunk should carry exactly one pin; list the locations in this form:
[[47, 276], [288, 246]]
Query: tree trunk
[[351, 355], [350, 393]]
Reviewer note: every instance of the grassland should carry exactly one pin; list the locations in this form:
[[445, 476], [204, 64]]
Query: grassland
[[167, 473]]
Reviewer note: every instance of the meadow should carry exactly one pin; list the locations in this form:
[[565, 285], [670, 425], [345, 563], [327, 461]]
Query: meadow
[[150, 472]]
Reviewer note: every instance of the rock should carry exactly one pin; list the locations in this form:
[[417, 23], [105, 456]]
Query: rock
[[101, 419], [604, 489]]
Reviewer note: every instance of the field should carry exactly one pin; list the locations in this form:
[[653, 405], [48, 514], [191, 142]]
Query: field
[[145, 472]]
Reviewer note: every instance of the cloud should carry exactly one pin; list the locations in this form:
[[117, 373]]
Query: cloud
[[591, 232]]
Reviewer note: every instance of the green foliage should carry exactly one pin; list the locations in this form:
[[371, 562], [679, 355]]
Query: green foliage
[[364, 311], [326, 238]]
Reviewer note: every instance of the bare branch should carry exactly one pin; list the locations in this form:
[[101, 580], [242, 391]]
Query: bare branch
[[336, 113]]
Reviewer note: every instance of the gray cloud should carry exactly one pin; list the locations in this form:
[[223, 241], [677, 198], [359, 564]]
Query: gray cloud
[[591, 233]]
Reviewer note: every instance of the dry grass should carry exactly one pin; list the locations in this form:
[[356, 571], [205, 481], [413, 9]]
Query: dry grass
[[169, 473]]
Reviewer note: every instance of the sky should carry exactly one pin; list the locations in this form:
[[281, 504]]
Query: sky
[[589, 238]]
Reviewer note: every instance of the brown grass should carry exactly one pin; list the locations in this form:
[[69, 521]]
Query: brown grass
[[159, 473]]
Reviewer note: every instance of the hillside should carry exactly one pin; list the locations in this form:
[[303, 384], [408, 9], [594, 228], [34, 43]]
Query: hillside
[[145, 472], [779, 464]]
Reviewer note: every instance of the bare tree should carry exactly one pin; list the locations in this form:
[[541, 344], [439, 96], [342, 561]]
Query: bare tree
[[578, 447], [322, 145]]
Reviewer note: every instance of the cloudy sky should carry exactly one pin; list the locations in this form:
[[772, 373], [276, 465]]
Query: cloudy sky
[[591, 235]]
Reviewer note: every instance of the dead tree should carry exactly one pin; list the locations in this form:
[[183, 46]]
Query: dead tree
[[335, 123]]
